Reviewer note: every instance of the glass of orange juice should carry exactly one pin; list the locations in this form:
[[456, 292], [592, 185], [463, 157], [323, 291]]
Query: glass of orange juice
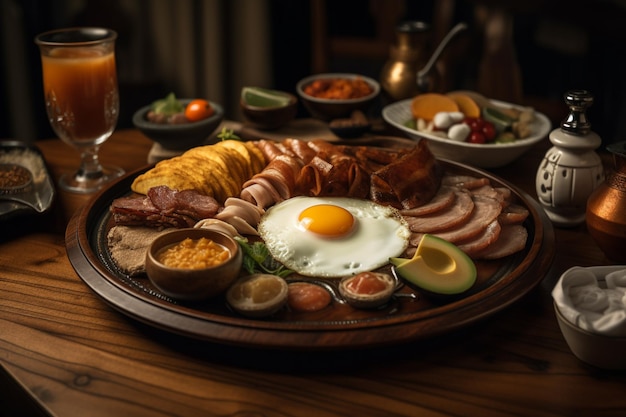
[[82, 99]]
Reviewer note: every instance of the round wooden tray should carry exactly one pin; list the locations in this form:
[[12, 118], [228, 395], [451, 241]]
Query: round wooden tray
[[336, 327]]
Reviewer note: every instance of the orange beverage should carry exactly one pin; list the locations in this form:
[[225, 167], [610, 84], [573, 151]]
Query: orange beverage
[[80, 88]]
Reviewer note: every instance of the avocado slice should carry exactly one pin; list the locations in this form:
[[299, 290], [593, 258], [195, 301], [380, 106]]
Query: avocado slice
[[438, 266]]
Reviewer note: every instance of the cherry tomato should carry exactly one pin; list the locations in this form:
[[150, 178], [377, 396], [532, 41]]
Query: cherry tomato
[[489, 131], [476, 124], [198, 109], [476, 137]]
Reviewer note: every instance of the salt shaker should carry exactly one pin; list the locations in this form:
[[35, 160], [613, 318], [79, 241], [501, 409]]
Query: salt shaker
[[571, 169]]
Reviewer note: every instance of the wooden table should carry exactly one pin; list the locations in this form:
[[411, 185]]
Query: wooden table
[[66, 353]]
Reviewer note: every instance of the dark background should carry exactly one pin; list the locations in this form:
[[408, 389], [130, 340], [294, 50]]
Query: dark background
[[547, 71]]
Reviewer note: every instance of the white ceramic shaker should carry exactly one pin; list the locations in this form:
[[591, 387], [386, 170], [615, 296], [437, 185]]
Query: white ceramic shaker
[[571, 169]]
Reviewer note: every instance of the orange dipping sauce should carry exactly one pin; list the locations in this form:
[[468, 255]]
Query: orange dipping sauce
[[193, 254], [339, 88], [308, 297]]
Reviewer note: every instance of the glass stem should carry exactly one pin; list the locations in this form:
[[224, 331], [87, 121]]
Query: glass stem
[[90, 168]]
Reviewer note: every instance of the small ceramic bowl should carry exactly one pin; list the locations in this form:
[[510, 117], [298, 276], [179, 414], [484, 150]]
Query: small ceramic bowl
[[328, 109], [602, 351], [595, 349], [270, 118], [488, 155], [193, 284], [182, 136]]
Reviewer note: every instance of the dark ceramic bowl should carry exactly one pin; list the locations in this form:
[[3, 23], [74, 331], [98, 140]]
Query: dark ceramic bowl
[[328, 109], [193, 284], [182, 136], [270, 118]]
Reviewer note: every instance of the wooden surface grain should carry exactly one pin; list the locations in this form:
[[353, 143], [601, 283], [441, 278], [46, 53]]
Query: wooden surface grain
[[70, 354]]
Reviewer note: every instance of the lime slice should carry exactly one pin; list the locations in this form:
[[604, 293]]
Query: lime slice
[[500, 120], [263, 97]]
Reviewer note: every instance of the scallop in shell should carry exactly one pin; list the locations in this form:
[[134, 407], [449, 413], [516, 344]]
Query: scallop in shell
[[367, 289], [258, 295]]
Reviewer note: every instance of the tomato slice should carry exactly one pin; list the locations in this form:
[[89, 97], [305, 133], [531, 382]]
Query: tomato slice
[[198, 109]]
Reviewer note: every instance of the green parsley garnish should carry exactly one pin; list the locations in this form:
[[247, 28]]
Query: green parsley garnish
[[257, 258], [168, 105], [227, 134]]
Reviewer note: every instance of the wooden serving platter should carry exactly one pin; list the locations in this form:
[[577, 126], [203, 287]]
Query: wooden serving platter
[[409, 316]]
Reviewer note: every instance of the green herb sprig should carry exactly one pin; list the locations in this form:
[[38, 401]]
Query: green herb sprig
[[168, 105], [257, 258], [227, 134]]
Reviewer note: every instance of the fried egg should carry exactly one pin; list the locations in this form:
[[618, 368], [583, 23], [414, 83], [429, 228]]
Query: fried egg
[[333, 236]]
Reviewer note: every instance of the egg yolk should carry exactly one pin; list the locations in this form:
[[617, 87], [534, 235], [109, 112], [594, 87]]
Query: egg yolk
[[327, 220]]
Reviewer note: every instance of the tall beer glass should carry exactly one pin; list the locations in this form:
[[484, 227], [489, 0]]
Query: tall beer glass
[[82, 99]]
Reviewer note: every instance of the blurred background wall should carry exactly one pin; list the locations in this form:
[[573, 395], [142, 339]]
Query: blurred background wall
[[211, 48]]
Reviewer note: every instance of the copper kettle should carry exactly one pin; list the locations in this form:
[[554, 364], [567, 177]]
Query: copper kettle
[[408, 72]]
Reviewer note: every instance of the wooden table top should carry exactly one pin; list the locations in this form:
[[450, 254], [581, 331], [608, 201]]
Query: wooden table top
[[66, 353]]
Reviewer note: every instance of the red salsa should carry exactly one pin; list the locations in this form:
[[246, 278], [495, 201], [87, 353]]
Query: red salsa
[[366, 283]]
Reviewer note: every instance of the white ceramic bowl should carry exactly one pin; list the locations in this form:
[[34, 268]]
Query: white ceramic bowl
[[606, 352], [489, 155]]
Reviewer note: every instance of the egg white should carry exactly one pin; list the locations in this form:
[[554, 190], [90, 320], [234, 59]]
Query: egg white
[[380, 232]]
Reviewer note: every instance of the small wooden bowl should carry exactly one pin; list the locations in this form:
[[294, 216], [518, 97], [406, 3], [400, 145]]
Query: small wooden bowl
[[193, 284]]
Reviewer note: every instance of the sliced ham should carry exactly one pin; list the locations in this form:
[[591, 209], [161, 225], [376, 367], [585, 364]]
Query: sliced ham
[[486, 210], [235, 207], [257, 194], [501, 194], [218, 226], [512, 239], [513, 214], [455, 215], [485, 238], [261, 192], [444, 198], [464, 181]]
